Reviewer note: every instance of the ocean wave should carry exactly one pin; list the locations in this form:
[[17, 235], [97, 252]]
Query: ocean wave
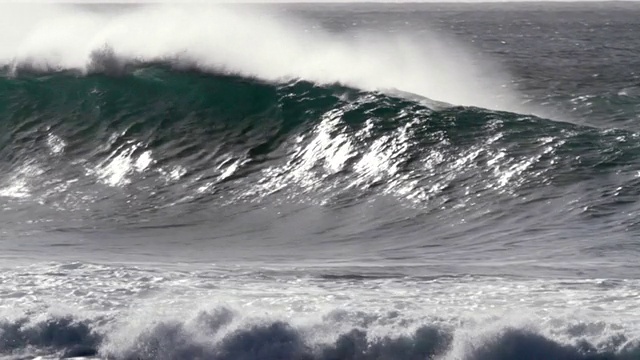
[[223, 182], [159, 142], [186, 124], [64, 336], [131, 312], [248, 41], [214, 335]]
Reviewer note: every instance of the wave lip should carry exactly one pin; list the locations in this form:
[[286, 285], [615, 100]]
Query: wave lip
[[250, 42]]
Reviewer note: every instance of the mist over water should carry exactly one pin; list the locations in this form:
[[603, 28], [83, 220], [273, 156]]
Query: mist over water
[[320, 181], [258, 43]]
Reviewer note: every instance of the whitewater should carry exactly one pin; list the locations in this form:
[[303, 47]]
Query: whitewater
[[319, 181], [262, 44]]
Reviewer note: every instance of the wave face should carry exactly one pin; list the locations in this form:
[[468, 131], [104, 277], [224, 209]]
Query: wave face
[[159, 147]]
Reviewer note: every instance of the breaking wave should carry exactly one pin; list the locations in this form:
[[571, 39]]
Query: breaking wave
[[180, 137], [216, 335], [250, 42]]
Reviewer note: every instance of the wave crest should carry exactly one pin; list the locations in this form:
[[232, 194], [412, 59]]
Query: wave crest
[[250, 42], [213, 336]]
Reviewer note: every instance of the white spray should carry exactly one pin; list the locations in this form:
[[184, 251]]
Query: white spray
[[248, 42]]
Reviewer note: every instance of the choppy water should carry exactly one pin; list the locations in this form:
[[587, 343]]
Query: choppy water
[[320, 181]]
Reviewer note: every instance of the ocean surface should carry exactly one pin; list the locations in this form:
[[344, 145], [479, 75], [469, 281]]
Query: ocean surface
[[320, 181]]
